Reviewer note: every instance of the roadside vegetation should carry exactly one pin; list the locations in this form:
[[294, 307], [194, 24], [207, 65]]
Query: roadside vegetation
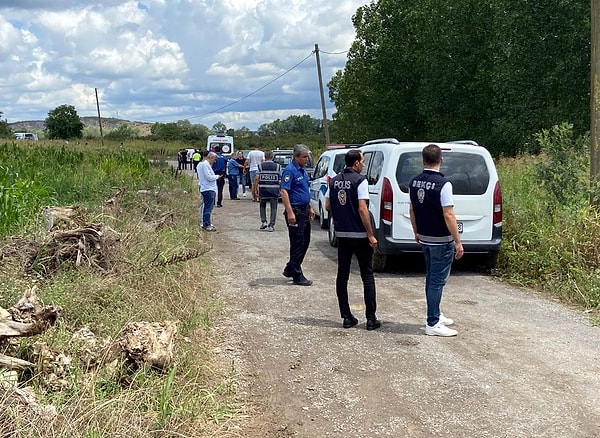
[[154, 266], [149, 265]]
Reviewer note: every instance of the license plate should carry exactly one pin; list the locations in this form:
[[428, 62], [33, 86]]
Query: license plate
[[460, 227]]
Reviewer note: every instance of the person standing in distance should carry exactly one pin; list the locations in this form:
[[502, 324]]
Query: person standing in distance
[[207, 182], [233, 175], [436, 230], [295, 195], [347, 199], [255, 157], [267, 184], [219, 167]]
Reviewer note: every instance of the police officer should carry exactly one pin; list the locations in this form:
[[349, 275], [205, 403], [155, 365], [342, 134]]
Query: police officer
[[347, 199], [219, 168], [268, 180], [436, 230], [295, 196]]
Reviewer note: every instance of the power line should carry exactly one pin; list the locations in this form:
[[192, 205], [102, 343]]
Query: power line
[[242, 98], [254, 92]]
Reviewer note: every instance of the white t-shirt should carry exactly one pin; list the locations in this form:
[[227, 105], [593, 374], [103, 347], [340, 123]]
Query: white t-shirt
[[446, 198], [255, 157]]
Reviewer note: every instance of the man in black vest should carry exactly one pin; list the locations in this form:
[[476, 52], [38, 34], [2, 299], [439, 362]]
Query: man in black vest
[[347, 199], [436, 230], [267, 182]]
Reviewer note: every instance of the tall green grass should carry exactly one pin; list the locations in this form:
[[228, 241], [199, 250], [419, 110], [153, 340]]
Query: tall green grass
[[551, 233], [154, 273]]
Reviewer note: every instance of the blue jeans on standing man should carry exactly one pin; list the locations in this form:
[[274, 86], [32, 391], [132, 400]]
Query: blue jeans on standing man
[[233, 186], [438, 262], [208, 203], [242, 181]]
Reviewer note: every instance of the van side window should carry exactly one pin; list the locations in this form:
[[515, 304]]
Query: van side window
[[375, 167], [321, 168]]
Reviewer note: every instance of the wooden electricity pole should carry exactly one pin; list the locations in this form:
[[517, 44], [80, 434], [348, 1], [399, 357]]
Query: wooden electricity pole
[[595, 101], [99, 118], [325, 127]]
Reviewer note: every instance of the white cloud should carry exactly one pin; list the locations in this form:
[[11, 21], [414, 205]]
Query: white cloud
[[159, 60]]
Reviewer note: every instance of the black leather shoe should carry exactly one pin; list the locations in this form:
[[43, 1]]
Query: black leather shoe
[[373, 324], [302, 281], [350, 322], [286, 273]]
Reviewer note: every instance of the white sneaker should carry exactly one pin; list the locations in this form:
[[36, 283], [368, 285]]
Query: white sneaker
[[440, 330], [444, 320], [263, 226], [244, 195], [270, 228]]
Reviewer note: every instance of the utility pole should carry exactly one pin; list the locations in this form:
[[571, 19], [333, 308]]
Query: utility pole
[[322, 95], [99, 118], [595, 102]]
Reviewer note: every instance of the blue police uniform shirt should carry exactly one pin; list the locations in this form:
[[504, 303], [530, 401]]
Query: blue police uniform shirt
[[220, 164], [295, 181]]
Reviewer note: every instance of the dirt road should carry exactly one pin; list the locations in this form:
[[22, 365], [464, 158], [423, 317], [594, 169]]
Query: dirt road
[[521, 366]]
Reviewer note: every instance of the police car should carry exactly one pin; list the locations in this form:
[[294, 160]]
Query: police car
[[390, 165], [330, 163]]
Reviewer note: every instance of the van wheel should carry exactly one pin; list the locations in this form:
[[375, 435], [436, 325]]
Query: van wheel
[[489, 261], [322, 221], [379, 261], [331, 234]]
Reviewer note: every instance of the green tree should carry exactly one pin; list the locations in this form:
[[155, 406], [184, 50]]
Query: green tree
[[493, 71], [123, 132], [5, 131], [219, 127], [64, 122]]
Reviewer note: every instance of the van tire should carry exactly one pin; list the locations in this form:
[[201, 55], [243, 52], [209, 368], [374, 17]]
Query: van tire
[[323, 223], [379, 261], [331, 234], [489, 261]]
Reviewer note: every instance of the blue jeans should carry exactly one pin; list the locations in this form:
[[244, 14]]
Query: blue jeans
[[233, 186], [242, 181], [208, 203], [438, 261]]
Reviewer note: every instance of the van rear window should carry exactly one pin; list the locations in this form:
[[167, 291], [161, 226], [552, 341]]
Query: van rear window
[[467, 172]]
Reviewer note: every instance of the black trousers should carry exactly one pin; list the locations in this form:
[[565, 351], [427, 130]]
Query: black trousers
[[220, 185], [299, 236], [364, 253]]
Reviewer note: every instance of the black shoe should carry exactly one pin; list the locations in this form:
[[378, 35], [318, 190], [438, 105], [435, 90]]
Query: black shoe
[[302, 281], [373, 324], [219, 205], [287, 273], [350, 322]]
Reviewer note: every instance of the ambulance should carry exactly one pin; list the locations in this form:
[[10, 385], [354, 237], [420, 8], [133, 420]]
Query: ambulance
[[220, 139]]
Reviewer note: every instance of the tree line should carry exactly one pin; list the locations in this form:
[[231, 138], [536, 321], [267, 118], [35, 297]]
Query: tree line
[[496, 71], [63, 122]]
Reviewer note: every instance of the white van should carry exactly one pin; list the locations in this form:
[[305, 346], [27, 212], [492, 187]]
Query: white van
[[390, 165], [222, 140], [25, 136]]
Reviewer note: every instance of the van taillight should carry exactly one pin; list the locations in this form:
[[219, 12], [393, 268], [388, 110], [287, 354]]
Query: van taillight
[[387, 201], [497, 204]]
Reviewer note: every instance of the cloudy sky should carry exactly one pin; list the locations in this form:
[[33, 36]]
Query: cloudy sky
[[241, 62]]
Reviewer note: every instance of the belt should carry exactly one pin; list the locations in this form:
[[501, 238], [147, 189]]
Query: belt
[[299, 205]]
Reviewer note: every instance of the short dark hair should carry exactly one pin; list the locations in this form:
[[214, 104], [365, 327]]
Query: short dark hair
[[218, 148], [432, 154], [352, 156]]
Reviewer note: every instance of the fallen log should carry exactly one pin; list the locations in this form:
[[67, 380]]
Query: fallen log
[[12, 363]]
